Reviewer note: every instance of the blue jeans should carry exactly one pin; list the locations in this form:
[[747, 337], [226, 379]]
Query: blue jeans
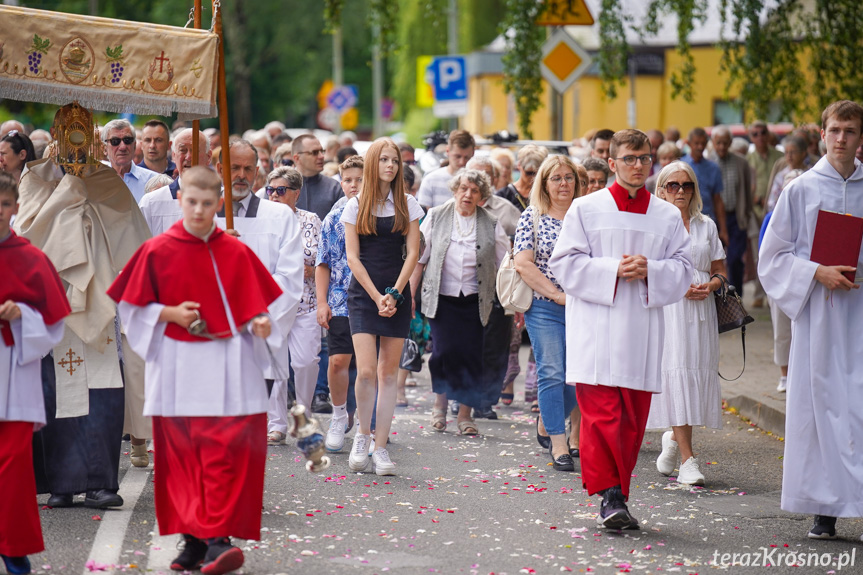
[[546, 325]]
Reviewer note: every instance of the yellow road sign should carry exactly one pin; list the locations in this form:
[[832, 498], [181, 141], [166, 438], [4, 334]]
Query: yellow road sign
[[563, 60], [350, 119], [565, 13], [425, 91]]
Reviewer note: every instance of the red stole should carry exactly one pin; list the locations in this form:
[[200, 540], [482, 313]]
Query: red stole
[[176, 266], [30, 278], [636, 205]]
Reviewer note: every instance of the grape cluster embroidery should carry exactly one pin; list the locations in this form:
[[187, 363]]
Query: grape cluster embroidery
[[115, 59], [34, 55]]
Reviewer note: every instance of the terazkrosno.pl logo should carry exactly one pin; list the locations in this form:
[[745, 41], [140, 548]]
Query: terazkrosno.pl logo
[[777, 556]]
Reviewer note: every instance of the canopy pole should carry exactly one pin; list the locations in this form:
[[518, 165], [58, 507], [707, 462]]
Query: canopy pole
[[223, 120], [196, 124]]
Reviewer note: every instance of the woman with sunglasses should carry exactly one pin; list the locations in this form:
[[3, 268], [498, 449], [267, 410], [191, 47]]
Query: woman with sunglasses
[[304, 339], [382, 240], [16, 150], [691, 394]]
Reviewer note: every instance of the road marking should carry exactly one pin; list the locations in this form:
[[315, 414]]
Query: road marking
[[112, 531], [163, 549]]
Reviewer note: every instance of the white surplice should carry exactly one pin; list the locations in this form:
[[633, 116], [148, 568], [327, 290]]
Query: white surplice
[[160, 210], [615, 339], [20, 366], [823, 465]]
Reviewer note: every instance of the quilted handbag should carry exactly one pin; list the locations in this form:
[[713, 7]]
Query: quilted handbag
[[730, 315]]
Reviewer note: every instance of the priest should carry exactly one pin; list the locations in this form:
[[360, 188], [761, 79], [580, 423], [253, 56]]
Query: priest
[[622, 255], [823, 464], [32, 307], [194, 301], [81, 214]]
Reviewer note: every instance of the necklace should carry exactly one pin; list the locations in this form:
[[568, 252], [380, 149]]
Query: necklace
[[461, 232]]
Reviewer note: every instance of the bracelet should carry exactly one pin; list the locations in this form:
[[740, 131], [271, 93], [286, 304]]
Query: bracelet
[[396, 295]]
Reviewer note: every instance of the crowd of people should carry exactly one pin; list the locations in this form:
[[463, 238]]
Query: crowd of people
[[197, 327]]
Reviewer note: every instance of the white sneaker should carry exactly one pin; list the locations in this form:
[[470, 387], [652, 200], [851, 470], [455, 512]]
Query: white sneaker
[[667, 460], [336, 434], [383, 464], [358, 460], [783, 384], [690, 474]]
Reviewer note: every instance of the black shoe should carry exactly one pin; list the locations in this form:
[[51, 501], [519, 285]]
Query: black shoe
[[543, 440], [16, 565], [561, 462], [824, 528], [453, 407], [574, 453], [192, 556], [487, 413], [321, 404], [60, 500], [221, 557], [102, 498], [613, 513]]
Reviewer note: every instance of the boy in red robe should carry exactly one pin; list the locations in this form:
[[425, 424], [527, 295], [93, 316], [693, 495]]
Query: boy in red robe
[[194, 302], [32, 307]]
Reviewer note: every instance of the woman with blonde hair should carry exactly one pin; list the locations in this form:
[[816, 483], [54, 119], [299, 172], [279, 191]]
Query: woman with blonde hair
[[382, 241], [691, 394], [557, 184]]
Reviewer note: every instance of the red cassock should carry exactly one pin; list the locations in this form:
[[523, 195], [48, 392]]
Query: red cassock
[[209, 471], [29, 278], [613, 419]]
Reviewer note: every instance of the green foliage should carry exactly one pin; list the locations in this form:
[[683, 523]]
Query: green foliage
[[688, 12], [333, 14], [613, 47], [383, 19], [521, 60]]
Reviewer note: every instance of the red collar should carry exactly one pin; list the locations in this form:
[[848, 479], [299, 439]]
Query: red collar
[[636, 205]]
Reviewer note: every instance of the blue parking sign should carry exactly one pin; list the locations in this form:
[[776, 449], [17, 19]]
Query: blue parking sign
[[450, 78]]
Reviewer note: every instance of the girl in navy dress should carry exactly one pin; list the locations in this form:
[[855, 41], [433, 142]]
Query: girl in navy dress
[[382, 240]]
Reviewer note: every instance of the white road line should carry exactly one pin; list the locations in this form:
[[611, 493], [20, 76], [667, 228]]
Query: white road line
[[163, 549], [112, 531]]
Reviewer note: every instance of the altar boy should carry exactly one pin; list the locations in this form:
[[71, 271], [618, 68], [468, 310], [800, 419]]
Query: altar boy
[[194, 302], [32, 307]]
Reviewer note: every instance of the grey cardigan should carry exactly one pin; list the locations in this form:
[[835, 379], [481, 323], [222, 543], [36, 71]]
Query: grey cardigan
[[441, 230]]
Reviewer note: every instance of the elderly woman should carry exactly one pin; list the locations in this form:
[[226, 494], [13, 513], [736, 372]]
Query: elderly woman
[[691, 394], [304, 339], [557, 183], [464, 247]]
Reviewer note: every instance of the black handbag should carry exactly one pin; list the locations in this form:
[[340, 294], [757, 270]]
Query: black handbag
[[411, 359], [731, 314]]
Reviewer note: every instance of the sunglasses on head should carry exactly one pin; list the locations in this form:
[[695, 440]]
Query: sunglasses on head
[[128, 140], [279, 191]]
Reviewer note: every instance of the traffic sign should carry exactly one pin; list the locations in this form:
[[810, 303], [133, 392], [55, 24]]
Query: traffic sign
[[425, 82], [563, 61], [565, 13], [329, 119], [341, 98], [450, 78]]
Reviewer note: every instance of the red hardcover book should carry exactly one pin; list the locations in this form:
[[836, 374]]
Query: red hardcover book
[[837, 240]]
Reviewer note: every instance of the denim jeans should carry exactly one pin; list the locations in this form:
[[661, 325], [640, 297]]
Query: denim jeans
[[545, 323]]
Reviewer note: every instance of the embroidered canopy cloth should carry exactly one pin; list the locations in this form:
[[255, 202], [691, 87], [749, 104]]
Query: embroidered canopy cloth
[[104, 64]]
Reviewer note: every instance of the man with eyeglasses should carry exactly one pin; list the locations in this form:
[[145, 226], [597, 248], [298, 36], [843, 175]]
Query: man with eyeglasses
[[622, 255], [761, 158], [709, 181], [434, 189], [737, 199], [161, 208], [120, 142], [319, 192]]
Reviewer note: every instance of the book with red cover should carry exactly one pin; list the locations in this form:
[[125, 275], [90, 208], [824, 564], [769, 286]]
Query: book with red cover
[[837, 240]]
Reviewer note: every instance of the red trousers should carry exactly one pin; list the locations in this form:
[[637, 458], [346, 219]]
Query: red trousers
[[20, 529], [612, 427], [209, 475]]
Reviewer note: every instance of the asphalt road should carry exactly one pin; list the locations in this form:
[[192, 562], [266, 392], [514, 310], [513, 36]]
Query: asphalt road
[[490, 504]]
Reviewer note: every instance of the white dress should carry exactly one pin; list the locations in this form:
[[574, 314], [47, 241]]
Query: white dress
[[691, 394]]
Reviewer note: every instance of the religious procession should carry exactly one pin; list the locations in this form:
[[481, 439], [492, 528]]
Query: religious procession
[[190, 312]]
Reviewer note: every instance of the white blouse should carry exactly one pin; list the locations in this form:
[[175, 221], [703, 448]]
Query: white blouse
[[387, 209]]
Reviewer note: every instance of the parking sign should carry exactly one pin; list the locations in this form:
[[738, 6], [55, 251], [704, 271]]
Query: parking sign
[[450, 78]]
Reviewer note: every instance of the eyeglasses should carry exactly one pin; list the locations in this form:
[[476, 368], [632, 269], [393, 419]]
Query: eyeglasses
[[128, 140], [287, 162], [279, 191], [529, 173], [597, 182], [318, 152], [675, 187], [645, 160], [569, 179], [758, 133], [410, 162]]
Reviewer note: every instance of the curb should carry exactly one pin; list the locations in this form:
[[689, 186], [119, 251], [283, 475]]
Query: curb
[[760, 414]]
